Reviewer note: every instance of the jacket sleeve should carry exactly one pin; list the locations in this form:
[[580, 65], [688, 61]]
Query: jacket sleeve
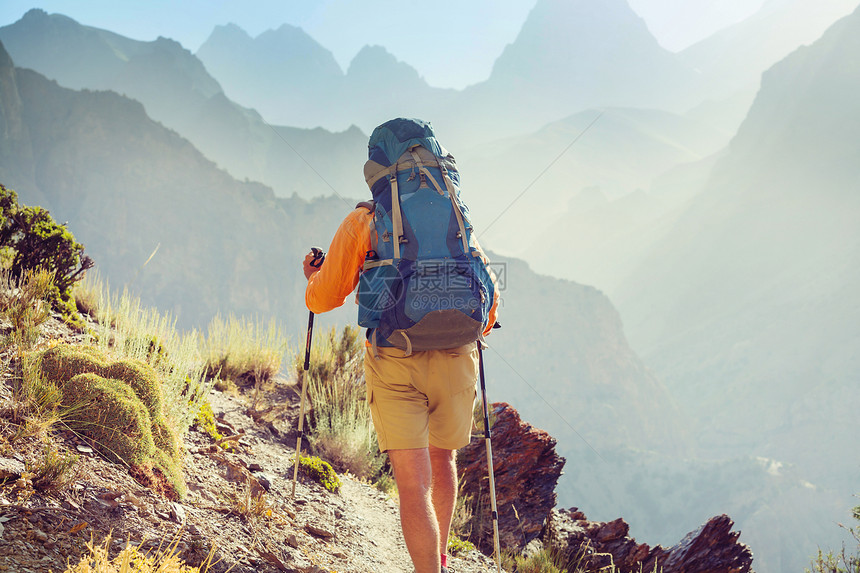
[[329, 287]]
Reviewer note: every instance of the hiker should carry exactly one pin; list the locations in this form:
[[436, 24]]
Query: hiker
[[427, 297]]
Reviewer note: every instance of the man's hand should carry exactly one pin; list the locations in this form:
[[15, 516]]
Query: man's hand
[[313, 261]]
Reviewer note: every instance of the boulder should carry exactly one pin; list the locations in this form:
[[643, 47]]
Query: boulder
[[526, 468], [713, 548]]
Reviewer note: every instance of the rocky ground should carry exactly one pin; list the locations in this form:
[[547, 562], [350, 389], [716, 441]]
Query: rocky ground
[[355, 530]]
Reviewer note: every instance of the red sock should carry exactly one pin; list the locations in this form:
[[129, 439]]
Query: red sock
[[444, 560]]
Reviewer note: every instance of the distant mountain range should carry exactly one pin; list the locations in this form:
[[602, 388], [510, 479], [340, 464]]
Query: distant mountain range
[[177, 90]]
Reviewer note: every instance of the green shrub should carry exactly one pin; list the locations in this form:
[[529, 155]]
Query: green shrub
[[33, 240], [117, 404], [320, 471], [457, 545]]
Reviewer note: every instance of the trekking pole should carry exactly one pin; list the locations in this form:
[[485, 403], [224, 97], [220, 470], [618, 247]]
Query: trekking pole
[[317, 262], [489, 445]]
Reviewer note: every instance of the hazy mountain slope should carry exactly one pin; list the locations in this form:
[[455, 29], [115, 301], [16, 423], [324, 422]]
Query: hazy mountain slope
[[733, 59], [129, 187], [16, 156], [571, 55], [379, 87], [749, 308], [176, 90], [574, 190]]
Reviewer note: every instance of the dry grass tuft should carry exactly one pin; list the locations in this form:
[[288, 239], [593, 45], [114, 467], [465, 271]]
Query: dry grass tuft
[[132, 559]]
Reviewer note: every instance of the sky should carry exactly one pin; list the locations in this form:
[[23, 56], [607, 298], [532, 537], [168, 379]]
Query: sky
[[452, 43]]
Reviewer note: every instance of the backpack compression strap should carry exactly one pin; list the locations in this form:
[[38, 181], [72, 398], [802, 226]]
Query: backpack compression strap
[[396, 214], [449, 186]]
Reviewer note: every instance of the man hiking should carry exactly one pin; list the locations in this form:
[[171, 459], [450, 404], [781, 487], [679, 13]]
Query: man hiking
[[427, 297]]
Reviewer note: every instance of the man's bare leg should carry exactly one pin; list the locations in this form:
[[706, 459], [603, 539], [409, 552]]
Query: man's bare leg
[[444, 491], [414, 477]]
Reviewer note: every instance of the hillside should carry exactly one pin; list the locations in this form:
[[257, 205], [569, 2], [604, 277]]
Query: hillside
[[748, 307], [176, 90]]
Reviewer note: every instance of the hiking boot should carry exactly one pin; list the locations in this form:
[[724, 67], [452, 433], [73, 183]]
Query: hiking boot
[[444, 570]]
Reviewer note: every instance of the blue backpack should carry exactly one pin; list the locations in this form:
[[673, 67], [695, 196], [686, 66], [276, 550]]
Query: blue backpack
[[424, 285]]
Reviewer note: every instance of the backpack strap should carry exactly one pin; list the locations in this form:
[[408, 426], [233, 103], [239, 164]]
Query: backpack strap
[[452, 194], [373, 346], [396, 214]]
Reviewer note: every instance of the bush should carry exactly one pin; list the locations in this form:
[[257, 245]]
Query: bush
[[117, 404], [32, 240], [24, 302], [131, 331], [164, 560], [457, 545], [243, 351], [341, 429], [320, 471]]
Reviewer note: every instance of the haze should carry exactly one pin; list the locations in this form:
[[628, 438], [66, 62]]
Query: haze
[[451, 43]]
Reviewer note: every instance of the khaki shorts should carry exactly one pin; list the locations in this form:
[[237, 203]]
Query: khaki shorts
[[425, 398]]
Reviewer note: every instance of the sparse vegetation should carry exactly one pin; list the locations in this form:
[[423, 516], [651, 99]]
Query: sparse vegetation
[[543, 561], [340, 423], [843, 561], [320, 471], [243, 351], [55, 471], [134, 560], [251, 504], [24, 303]]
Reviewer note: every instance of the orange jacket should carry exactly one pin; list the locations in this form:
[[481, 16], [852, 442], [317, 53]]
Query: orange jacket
[[329, 287]]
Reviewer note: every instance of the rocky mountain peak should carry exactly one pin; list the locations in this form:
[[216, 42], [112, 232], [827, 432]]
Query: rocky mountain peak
[[572, 34], [375, 62]]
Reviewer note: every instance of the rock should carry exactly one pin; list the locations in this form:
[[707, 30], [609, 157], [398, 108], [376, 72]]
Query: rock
[[292, 541], [10, 469], [265, 480], [238, 473], [84, 449], [526, 468], [177, 513], [713, 548], [318, 531]]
